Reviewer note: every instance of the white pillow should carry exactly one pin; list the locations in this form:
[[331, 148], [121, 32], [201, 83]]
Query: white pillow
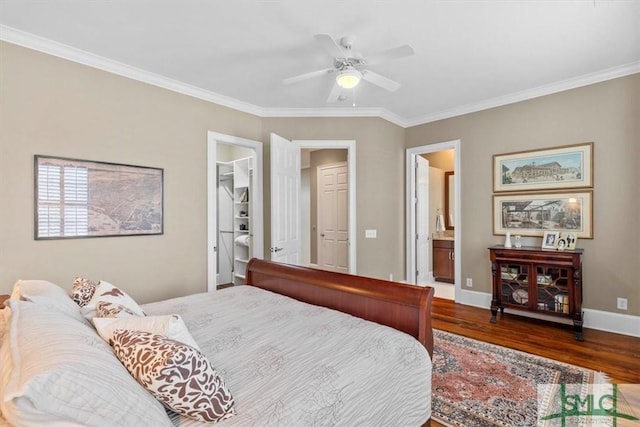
[[178, 375], [170, 326], [106, 292], [47, 294], [58, 371]]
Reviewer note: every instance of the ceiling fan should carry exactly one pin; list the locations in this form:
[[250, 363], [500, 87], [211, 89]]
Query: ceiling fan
[[350, 66]]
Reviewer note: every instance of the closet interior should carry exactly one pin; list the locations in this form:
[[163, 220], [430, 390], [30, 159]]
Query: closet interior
[[234, 220]]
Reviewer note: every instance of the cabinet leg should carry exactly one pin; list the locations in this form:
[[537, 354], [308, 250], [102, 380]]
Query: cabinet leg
[[494, 313], [577, 326]]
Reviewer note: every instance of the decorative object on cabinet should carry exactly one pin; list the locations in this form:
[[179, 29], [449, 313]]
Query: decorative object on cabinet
[[570, 239], [533, 214], [538, 281], [443, 261], [565, 167], [518, 241], [507, 240], [82, 198], [549, 239]]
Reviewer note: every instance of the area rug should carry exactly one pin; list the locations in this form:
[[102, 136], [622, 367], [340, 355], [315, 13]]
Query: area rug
[[480, 384]]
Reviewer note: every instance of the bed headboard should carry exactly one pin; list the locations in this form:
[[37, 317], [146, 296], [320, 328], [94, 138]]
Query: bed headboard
[[400, 306]]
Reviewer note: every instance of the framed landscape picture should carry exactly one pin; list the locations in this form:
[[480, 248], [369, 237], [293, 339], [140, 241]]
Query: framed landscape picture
[[550, 169], [81, 198], [532, 214]]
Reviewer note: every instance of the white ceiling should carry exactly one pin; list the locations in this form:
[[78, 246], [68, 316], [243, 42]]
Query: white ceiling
[[469, 55]]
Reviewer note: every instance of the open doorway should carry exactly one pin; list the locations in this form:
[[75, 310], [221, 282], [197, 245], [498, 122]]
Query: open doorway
[[433, 224], [234, 208], [287, 193]]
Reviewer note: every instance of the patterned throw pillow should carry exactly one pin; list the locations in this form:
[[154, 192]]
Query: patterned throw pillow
[[111, 309], [179, 376], [82, 290], [106, 292]]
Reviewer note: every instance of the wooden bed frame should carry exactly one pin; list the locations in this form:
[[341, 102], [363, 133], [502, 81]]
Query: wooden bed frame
[[406, 308]]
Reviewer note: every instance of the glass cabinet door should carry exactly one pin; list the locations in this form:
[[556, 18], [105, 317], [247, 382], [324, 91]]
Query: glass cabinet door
[[552, 289], [515, 284]]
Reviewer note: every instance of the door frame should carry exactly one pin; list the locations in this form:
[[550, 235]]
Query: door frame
[[350, 146], [411, 154], [212, 201]]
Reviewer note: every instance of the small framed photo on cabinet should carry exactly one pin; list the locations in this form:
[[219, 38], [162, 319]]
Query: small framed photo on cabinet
[[561, 244], [549, 239], [570, 239]]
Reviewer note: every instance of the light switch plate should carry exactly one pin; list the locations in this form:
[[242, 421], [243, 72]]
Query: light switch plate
[[370, 234]]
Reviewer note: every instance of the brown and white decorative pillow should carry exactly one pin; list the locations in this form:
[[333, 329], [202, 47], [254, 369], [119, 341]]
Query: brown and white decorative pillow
[[82, 290], [111, 309], [106, 292], [178, 375]]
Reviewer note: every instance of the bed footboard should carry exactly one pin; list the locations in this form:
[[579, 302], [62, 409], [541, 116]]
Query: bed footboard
[[404, 307]]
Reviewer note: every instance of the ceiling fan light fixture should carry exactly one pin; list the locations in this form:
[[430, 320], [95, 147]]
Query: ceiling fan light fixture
[[349, 78]]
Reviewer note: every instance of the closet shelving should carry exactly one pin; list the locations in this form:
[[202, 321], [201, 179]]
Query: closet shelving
[[242, 170]]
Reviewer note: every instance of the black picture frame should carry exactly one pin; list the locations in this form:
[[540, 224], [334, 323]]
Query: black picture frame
[[76, 198]]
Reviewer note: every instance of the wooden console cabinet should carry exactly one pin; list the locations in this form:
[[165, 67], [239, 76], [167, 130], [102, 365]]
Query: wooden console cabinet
[[538, 280], [443, 261]]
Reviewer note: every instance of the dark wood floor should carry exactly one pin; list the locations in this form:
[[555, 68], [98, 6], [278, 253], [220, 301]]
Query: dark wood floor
[[616, 355]]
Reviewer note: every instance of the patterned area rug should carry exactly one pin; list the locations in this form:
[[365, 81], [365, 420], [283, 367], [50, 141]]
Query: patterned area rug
[[480, 384]]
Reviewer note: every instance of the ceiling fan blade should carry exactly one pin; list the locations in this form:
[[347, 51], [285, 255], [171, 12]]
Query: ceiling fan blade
[[301, 77], [335, 93], [388, 55], [381, 81], [331, 46]]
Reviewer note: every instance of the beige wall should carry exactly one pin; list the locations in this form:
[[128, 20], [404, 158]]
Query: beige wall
[[607, 114], [57, 107], [379, 183]]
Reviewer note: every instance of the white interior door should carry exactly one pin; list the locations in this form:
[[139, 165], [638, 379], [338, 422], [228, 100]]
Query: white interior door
[[423, 241], [286, 243], [333, 232]]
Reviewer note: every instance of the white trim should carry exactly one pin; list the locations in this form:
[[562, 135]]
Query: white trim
[[512, 98], [410, 228], [618, 323], [350, 146], [80, 56], [31, 41], [257, 198]]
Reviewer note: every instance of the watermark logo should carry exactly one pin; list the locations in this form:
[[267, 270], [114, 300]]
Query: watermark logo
[[594, 405]]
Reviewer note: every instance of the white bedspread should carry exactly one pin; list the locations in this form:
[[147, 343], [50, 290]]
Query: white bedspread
[[289, 363]]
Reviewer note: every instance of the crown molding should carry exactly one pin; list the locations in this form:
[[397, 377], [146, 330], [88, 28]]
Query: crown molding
[[60, 50], [561, 86]]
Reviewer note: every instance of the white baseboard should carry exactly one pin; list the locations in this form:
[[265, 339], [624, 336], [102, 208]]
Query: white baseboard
[[618, 323]]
